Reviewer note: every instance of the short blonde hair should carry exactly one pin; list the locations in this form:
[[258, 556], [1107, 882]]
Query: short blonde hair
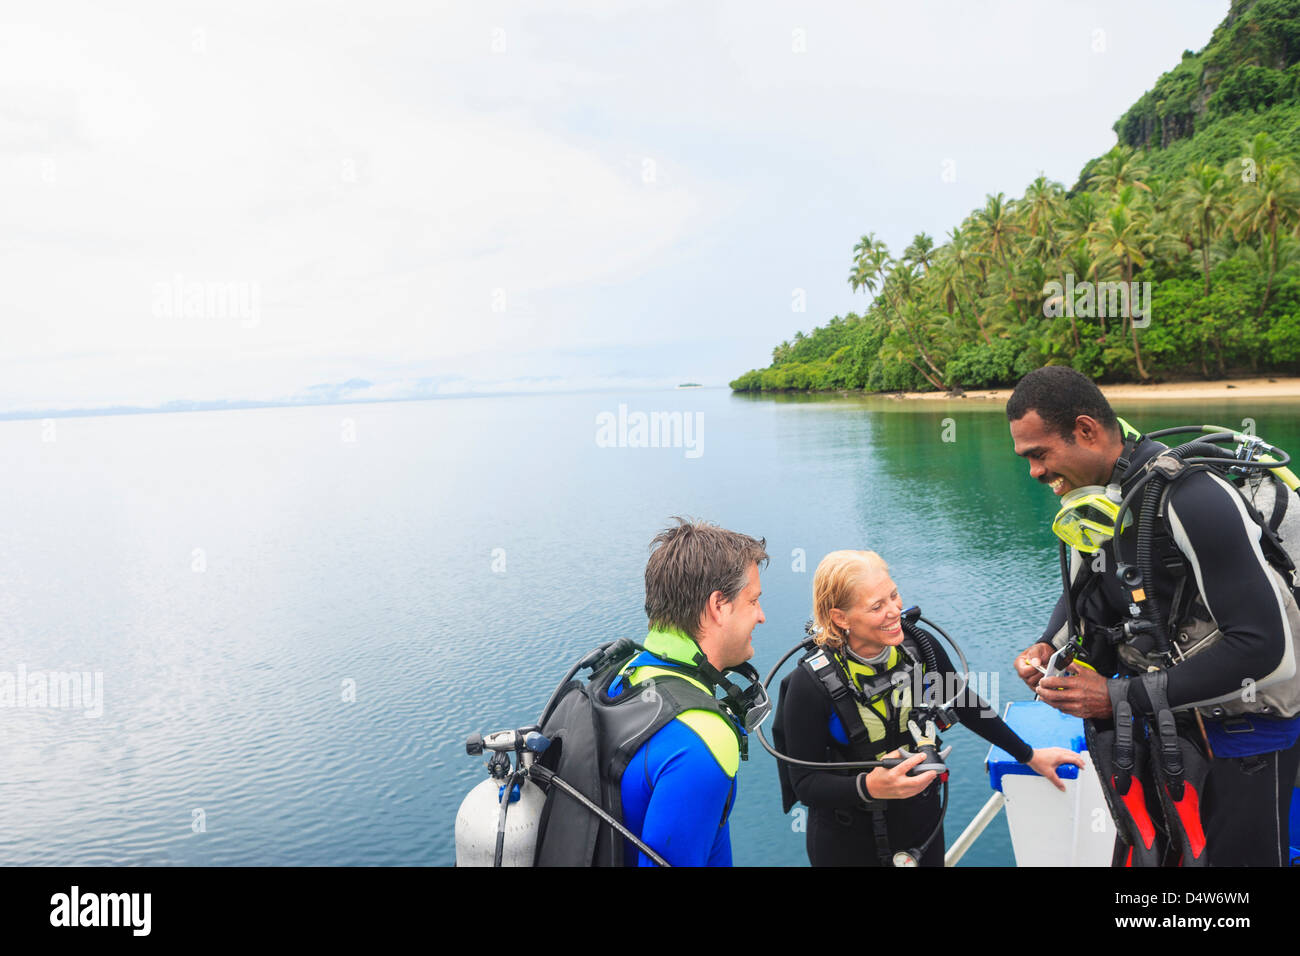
[[835, 583]]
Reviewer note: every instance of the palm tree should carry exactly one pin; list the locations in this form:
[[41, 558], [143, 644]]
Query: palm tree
[[995, 228], [907, 324], [1257, 152], [1081, 212], [1122, 166], [898, 347], [1076, 260], [1043, 205], [920, 253], [870, 263], [902, 295], [1018, 288], [1122, 240], [1203, 198], [1265, 206], [953, 267]]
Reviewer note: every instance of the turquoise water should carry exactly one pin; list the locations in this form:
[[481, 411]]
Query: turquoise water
[[299, 614]]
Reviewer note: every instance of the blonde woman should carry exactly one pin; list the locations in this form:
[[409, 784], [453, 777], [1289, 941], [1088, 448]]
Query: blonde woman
[[863, 818]]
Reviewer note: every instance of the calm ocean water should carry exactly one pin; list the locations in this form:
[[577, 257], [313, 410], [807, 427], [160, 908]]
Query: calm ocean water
[[299, 614]]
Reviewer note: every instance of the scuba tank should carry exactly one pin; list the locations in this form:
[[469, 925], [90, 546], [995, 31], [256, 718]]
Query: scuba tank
[[476, 826], [502, 820], [495, 827], [559, 804]]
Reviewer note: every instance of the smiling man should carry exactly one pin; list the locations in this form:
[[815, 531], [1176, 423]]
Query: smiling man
[[1209, 567], [702, 599]]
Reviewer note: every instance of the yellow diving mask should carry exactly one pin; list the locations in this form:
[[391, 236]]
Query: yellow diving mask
[[1086, 520]]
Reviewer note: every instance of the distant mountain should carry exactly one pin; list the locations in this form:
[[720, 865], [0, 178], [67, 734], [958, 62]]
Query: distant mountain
[[353, 390], [332, 393]]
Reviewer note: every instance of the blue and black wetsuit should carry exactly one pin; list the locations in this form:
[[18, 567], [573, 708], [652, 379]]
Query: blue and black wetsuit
[[680, 786]]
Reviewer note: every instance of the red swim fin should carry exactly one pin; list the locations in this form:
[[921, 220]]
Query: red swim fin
[[1181, 769], [1122, 767]]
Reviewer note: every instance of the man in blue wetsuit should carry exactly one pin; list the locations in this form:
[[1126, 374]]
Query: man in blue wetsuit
[[702, 600]]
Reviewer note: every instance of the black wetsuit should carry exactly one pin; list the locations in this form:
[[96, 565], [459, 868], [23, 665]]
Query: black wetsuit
[[840, 831], [1248, 790]]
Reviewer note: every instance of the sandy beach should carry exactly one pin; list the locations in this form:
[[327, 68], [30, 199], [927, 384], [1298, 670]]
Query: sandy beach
[[1279, 388]]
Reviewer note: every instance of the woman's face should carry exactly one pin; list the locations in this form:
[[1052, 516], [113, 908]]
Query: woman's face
[[873, 620]]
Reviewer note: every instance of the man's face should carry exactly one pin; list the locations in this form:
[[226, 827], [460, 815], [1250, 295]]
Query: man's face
[[740, 617], [1061, 465]]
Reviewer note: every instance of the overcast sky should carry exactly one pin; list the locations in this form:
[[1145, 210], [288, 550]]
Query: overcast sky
[[241, 200]]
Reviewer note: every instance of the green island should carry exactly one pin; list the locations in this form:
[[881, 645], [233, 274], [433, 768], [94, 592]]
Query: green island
[[1176, 255]]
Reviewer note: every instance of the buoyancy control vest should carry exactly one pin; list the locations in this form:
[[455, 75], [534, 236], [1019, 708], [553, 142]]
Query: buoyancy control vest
[[872, 704], [595, 735], [1190, 625]]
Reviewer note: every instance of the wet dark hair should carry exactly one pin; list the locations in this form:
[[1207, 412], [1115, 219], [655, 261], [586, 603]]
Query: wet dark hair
[[691, 561], [1060, 395]]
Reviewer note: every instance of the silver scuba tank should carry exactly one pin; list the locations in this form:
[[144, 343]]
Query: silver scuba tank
[[490, 832], [1264, 494], [477, 819]]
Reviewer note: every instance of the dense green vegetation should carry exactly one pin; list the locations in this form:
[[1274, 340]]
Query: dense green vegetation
[[1196, 212]]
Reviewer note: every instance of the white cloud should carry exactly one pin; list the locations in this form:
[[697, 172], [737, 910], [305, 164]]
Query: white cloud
[[386, 180]]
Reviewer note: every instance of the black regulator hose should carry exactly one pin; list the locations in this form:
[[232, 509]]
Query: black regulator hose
[[913, 856], [807, 644], [923, 638], [1208, 454], [1151, 606], [1152, 485], [923, 642]]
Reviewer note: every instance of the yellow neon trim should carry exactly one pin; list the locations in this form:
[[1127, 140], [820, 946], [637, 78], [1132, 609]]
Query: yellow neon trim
[[671, 645], [709, 727], [1286, 474], [717, 736], [900, 695]]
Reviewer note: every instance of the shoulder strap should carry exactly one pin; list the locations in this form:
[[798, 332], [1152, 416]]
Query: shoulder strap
[[1269, 541], [1281, 498], [850, 704], [1274, 549], [821, 665], [682, 693]]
